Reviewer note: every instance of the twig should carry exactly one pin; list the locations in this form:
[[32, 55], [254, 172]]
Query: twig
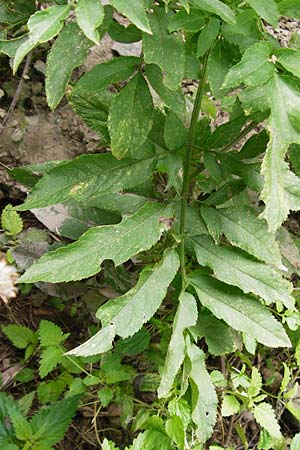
[[17, 93]]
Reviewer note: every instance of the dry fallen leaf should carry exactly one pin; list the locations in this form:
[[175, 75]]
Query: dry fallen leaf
[[8, 277]]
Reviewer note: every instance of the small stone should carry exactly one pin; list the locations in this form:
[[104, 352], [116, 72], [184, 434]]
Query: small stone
[[2, 113], [17, 135], [32, 120], [40, 66]]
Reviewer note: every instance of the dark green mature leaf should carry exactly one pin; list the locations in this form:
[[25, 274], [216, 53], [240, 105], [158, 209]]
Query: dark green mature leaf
[[281, 187], [135, 12], [49, 425], [244, 32], [266, 9], [204, 397], [173, 99], [242, 312], [219, 62], [126, 315], [119, 243], [290, 8], [123, 34], [186, 316], [89, 16], [244, 229], [10, 47], [131, 119], [164, 49], [105, 74], [87, 176], [68, 52], [212, 221], [218, 335], [43, 26], [191, 21], [235, 267], [215, 7], [175, 133], [254, 68], [15, 11], [290, 59], [207, 36]]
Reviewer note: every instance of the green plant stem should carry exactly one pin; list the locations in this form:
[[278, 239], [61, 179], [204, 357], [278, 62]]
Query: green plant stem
[[237, 139], [187, 166]]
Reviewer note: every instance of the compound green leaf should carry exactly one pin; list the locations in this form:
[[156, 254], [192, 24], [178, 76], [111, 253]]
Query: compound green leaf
[[10, 47], [281, 187], [290, 59], [165, 49], [105, 74], [191, 21], [244, 229], [173, 99], [151, 439], [204, 397], [126, 315], [21, 426], [19, 335], [131, 118], [87, 176], [266, 9], [215, 7], [290, 8], [68, 52], [43, 26], [242, 312], [50, 424], [254, 68], [50, 358], [186, 316], [217, 334], [207, 36], [126, 35], [175, 133], [212, 221], [135, 12], [295, 444], [219, 62], [50, 334], [265, 416], [89, 16], [119, 243], [235, 267]]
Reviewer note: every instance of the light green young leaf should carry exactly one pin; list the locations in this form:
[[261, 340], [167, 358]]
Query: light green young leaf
[[50, 424], [22, 428], [244, 229], [186, 316], [289, 59], [265, 416], [281, 190], [87, 177], [68, 52], [242, 312], [135, 12], [204, 397], [165, 49], [208, 36], [295, 444], [50, 334], [266, 9], [255, 383], [19, 335], [174, 429], [43, 26], [254, 68], [230, 405], [173, 99], [290, 8], [119, 243], [235, 267], [126, 315], [215, 7], [131, 118], [50, 358], [11, 222], [151, 439], [89, 16], [191, 21]]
